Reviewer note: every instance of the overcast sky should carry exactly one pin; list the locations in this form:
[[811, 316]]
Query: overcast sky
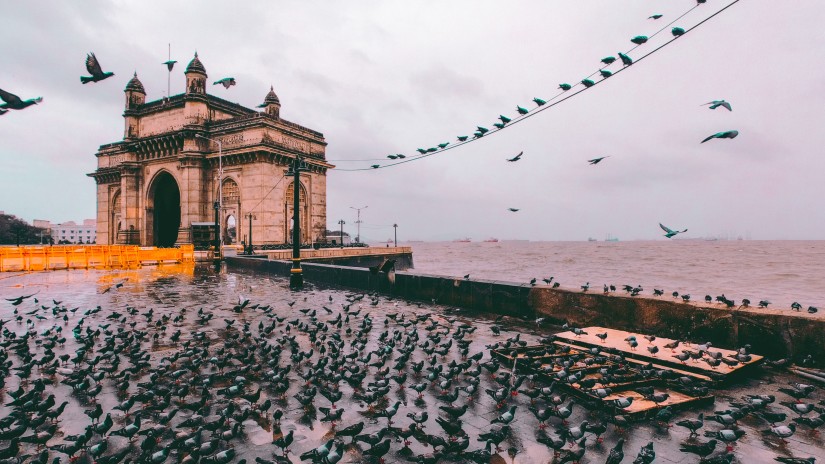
[[381, 77]]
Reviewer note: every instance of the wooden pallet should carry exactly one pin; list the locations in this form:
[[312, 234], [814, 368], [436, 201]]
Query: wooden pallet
[[641, 407], [665, 358]]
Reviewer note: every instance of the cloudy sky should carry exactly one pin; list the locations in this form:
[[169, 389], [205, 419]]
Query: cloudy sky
[[381, 77]]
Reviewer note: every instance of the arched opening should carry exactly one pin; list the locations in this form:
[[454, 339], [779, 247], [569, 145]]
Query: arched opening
[[164, 206], [231, 200], [304, 216], [114, 218], [230, 234]]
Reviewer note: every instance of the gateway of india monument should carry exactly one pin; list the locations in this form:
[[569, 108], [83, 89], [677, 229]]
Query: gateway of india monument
[[157, 186]]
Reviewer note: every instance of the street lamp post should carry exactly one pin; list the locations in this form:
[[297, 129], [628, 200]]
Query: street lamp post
[[296, 276], [395, 231], [358, 222], [218, 203], [341, 237], [249, 243]]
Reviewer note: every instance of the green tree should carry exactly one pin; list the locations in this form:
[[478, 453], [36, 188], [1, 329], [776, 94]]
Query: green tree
[[15, 231]]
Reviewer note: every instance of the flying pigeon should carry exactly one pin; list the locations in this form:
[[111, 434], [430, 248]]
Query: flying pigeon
[[515, 158], [731, 134], [513, 209], [717, 103], [670, 232], [169, 64], [13, 102], [226, 82], [93, 66], [597, 160]]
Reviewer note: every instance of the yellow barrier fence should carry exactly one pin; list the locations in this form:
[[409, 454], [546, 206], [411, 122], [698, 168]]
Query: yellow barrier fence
[[40, 258]]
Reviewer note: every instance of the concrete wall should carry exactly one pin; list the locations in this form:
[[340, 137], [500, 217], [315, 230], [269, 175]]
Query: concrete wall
[[773, 333]]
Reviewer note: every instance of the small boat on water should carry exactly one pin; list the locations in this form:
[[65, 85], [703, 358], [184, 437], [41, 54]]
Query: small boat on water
[[491, 240], [463, 240], [591, 239]]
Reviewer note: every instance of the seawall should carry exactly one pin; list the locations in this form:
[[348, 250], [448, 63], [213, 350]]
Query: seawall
[[773, 333]]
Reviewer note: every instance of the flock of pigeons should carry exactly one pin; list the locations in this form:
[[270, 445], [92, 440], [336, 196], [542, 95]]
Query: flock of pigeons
[[13, 102], [194, 386]]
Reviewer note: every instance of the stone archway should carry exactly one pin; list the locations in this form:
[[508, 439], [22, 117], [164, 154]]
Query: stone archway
[[163, 211], [114, 217]]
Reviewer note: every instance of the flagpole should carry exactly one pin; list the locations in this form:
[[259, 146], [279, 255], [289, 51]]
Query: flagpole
[[169, 75]]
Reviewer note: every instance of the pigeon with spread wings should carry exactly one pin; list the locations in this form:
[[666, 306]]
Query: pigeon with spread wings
[[93, 66], [670, 232]]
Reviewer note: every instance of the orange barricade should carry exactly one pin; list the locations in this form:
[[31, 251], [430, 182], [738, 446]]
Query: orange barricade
[[36, 259], [12, 259], [39, 258]]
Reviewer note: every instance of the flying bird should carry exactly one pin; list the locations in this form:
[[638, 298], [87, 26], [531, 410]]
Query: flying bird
[[226, 82], [169, 64], [93, 66], [670, 232], [513, 209], [515, 158], [731, 134], [597, 160], [656, 16], [13, 102], [717, 103]]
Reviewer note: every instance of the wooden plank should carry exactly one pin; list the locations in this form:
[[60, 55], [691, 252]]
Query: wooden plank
[[616, 341]]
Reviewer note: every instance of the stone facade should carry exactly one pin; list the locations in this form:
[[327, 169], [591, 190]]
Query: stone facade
[[163, 176]]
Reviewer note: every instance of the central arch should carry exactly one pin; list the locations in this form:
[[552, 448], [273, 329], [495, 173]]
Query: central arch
[[164, 202]]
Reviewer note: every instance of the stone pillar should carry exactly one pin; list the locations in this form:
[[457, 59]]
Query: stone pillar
[[130, 194], [191, 196], [103, 214]]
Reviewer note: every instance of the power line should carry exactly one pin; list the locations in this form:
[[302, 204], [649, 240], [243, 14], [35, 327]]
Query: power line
[[550, 103]]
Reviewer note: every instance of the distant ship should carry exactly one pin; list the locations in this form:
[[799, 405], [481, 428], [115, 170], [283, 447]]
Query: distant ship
[[463, 240], [591, 239], [491, 240], [611, 238]]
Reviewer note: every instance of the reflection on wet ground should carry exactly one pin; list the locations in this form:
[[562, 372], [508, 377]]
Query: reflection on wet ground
[[254, 342]]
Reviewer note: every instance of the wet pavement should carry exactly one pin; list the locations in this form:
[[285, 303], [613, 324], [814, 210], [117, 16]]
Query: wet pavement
[[169, 290]]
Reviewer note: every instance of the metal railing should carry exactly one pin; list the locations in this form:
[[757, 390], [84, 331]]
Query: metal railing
[[335, 252]]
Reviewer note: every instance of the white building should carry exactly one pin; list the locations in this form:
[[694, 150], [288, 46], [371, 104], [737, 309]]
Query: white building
[[75, 233]]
